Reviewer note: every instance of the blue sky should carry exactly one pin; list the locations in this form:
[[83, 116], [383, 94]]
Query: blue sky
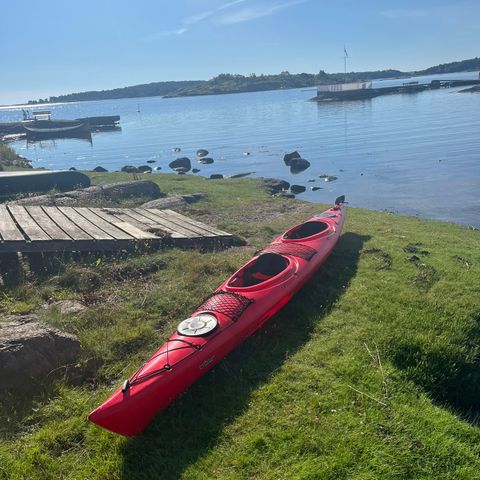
[[51, 47]]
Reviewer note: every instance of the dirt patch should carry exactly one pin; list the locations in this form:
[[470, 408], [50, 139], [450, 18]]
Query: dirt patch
[[382, 260], [414, 248], [426, 276]]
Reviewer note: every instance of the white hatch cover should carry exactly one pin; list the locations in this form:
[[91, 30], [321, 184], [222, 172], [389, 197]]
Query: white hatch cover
[[198, 325]]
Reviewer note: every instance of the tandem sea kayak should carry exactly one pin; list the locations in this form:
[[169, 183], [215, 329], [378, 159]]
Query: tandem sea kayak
[[233, 312]]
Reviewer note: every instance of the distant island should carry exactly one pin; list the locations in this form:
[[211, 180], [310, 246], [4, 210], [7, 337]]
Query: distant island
[[234, 83]]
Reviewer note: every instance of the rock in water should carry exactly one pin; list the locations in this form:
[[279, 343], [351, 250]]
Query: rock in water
[[195, 170], [100, 169], [31, 354], [205, 160], [296, 189], [290, 156], [216, 176], [329, 178], [183, 162], [151, 161], [145, 169], [201, 152], [298, 165], [274, 185]]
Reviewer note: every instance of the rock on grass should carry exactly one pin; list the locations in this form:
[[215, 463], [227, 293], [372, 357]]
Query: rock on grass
[[32, 355]]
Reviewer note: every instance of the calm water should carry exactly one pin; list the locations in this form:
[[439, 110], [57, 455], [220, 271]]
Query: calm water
[[412, 154]]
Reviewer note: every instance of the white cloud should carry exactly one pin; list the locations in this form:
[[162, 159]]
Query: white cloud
[[254, 12], [192, 20], [243, 15], [203, 15], [164, 33]]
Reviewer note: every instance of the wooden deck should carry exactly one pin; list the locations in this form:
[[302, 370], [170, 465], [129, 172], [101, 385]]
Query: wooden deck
[[51, 229]]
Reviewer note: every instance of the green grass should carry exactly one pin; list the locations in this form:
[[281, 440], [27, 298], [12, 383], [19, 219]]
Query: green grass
[[9, 160], [371, 371]]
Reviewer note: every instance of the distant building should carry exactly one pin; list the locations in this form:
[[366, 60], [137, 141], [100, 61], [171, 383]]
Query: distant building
[[343, 87]]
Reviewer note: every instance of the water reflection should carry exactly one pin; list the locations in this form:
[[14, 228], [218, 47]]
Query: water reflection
[[52, 143]]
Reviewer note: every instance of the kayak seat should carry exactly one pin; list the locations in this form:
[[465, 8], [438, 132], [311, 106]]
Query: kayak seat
[[266, 266], [306, 229]]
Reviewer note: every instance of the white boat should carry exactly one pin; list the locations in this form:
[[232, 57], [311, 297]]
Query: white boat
[[49, 127]]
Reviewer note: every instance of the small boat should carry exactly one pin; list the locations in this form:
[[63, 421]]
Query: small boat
[[41, 129], [233, 312], [42, 126]]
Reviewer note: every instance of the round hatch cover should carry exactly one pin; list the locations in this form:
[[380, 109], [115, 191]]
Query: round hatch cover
[[197, 326]]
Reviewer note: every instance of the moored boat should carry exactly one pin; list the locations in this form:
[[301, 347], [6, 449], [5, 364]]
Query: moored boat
[[233, 312], [58, 128]]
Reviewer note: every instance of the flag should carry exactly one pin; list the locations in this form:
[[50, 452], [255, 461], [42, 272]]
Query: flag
[[345, 51]]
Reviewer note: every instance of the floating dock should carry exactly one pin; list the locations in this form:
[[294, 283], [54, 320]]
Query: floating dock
[[73, 229], [364, 90]]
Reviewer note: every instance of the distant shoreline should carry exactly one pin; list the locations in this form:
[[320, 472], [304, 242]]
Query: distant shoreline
[[230, 83]]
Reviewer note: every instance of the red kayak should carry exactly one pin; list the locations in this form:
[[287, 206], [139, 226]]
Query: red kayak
[[228, 316]]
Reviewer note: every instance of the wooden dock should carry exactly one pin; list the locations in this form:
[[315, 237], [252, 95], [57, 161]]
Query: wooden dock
[[52, 229]]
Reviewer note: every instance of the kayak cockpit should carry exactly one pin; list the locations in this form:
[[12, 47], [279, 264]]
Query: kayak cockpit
[[305, 230], [261, 269]]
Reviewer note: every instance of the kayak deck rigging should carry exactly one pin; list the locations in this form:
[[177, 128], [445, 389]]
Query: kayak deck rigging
[[230, 304]]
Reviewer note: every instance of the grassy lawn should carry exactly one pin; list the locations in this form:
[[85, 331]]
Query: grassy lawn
[[371, 372]]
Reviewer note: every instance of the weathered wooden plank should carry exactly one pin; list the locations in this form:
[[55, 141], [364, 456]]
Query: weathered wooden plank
[[175, 226], [145, 223], [47, 224], [191, 221], [136, 232], [66, 224], [27, 223], [91, 213], [142, 219], [8, 229], [201, 230], [86, 225], [123, 222]]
